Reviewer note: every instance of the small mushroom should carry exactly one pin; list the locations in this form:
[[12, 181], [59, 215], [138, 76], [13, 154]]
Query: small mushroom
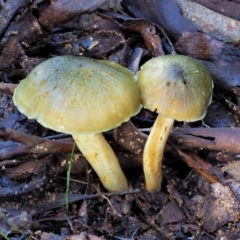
[[83, 97], [178, 88]]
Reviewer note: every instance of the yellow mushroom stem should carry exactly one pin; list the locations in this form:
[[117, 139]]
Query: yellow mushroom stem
[[153, 152], [103, 160]]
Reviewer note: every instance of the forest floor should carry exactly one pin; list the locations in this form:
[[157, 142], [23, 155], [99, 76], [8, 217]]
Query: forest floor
[[200, 193]]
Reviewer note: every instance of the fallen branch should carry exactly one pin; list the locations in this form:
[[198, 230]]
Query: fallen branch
[[7, 88], [218, 139], [130, 138], [210, 22], [33, 144]]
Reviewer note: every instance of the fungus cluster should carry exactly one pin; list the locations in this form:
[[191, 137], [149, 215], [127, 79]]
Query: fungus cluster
[[85, 97]]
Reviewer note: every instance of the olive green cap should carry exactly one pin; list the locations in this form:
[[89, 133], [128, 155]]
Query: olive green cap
[[176, 86], [78, 95]]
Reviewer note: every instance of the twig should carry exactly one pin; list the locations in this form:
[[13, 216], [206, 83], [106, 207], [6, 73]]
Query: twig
[[211, 173], [7, 88], [35, 183], [61, 199]]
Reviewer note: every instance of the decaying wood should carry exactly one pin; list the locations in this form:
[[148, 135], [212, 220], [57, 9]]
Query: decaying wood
[[94, 43], [15, 151], [8, 11], [63, 10], [26, 168], [217, 139], [225, 7], [32, 144], [26, 30], [126, 159], [165, 13], [221, 59], [17, 136], [7, 88], [210, 22], [129, 137], [149, 33], [10, 54], [41, 146], [200, 45]]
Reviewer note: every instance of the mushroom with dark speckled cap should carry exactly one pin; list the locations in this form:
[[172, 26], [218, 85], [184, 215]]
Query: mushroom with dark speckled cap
[[83, 97], [178, 88]]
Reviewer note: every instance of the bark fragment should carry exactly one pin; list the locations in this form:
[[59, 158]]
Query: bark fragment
[[63, 10]]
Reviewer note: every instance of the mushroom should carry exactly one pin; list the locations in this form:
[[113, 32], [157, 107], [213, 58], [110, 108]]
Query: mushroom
[[82, 97], [178, 88]]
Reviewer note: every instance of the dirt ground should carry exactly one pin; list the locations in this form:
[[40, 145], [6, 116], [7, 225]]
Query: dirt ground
[[200, 193]]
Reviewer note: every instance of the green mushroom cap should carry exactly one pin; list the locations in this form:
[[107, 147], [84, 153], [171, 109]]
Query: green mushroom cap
[[78, 95], [176, 86]]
